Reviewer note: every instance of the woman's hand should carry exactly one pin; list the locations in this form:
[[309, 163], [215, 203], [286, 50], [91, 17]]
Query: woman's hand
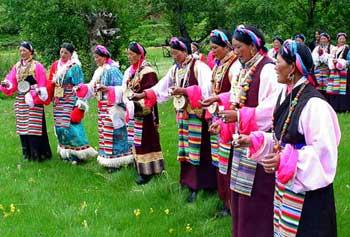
[[243, 141], [178, 91], [102, 88], [228, 116], [210, 100], [137, 96], [5, 84], [214, 128], [271, 162]]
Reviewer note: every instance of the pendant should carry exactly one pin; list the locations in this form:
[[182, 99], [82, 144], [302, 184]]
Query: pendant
[[23, 86], [59, 92], [179, 102]]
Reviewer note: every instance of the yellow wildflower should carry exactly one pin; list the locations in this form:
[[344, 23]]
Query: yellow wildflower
[[83, 205], [137, 212], [12, 208], [171, 230], [188, 228], [85, 224], [167, 211]]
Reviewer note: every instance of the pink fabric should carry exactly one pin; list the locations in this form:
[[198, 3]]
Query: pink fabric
[[36, 98], [135, 67], [150, 98], [111, 95], [247, 120], [11, 78], [341, 64], [40, 75], [194, 94], [256, 141], [225, 100], [211, 59], [288, 164], [82, 90], [226, 131], [207, 115]]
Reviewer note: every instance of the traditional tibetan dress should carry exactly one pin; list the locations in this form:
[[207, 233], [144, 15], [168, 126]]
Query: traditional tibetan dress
[[29, 81], [72, 141], [338, 88], [322, 57], [114, 149], [221, 150], [197, 171], [142, 129], [252, 188], [309, 137]]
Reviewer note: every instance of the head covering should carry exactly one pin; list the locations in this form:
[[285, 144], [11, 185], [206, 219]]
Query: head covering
[[68, 46], [300, 36], [195, 44], [27, 45], [325, 35], [221, 38], [180, 43], [300, 54], [250, 35], [102, 51], [278, 38], [342, 34], [137, 48]]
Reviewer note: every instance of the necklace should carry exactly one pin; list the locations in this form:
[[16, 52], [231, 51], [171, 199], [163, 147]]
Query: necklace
[[220, 72], [292, 104], [240, 88]]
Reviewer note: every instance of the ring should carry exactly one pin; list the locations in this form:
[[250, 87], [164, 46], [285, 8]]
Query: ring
[[273, 168]]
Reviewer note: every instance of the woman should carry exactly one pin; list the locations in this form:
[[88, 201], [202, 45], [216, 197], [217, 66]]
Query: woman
[[316, 40], [321, 56], [144, 126], [248, 107], [225, 70], [27, 77], [106, 87], [188, 81], [196, 52], [338, 87], [277, 43], [300, 38], [302, 150], [66, 73]]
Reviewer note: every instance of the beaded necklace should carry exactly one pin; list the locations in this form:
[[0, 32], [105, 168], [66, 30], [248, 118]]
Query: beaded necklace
[[220, 72], [293, 103], [182, 73], [241, 87], [134, 81]]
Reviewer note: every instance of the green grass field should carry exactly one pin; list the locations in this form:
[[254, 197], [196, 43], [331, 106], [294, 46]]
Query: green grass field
[[54, 198]]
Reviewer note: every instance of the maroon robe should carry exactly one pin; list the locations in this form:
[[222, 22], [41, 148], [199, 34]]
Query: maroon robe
[[149, 152], [223, 180], [200, 176], [253, 216]]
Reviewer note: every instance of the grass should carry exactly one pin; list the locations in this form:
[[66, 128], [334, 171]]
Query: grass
[[57, 199]]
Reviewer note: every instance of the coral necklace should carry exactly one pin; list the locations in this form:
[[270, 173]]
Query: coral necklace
[[293, 103]]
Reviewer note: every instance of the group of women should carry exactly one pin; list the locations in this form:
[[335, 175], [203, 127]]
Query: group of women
[[331, 67], [255, 130]]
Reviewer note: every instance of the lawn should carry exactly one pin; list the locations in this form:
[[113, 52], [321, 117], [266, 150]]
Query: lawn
[[54, 198]]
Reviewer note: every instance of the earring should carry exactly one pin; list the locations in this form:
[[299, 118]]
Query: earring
[[291, 77]]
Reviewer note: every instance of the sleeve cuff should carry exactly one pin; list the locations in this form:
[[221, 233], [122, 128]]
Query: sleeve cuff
[[247, 120], [194, 94]]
